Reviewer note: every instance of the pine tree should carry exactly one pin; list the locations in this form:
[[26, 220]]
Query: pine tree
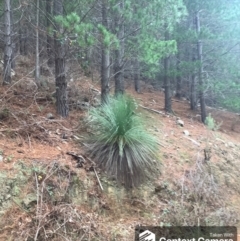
[[7, 43], [60, 75]]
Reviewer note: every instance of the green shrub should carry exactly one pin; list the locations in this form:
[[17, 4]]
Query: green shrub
[[121, 144], [211, 123]]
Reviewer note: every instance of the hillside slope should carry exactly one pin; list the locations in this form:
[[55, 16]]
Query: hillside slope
[[48, 194]]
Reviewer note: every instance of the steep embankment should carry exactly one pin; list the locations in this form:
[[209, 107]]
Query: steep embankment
[[47, 193]]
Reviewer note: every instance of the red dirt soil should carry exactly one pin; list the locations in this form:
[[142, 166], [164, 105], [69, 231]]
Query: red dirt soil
[[28, 135]]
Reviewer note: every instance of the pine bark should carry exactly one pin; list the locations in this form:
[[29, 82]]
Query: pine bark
[[136, 74], [200, 72], [119, 54], [178, 78], [23, 34], [60, 75], [105, 67], [193, 85], [37, 65], [7, 44], [168, 101], [48, 26]]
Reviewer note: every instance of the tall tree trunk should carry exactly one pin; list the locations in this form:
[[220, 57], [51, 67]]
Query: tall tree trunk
[[14, 45], [49, 38], [21, 38], [23, 33], [200, 72], [136, 75], [13, 56], [7, 44], [37, 66], [118, 76], [179, 78], [60, 76], [193, 94], [119, 53], [105, 68], [168, 101], [193, 84]]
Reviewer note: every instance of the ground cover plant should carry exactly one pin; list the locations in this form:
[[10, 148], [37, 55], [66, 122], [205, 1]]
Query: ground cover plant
[[120, 142]]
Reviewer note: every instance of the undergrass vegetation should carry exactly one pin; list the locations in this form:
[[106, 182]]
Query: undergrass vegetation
[[120, 143], [211, 123]]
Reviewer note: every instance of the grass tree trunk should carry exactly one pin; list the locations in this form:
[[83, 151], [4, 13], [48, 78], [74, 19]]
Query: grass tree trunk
[[105, 67], [60, 75], [119, 54], [7, 44], [200, 72]]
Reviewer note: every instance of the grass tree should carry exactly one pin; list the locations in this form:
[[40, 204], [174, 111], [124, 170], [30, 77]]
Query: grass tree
[[121, 145]]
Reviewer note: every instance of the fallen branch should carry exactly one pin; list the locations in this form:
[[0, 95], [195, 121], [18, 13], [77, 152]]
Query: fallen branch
[[98, 179], [95, 90], [38, 210], [193, 141], [156, 111], [8, 130], [79, 158]]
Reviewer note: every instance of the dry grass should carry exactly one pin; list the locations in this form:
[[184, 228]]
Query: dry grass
[[52, 216], [199, 200]]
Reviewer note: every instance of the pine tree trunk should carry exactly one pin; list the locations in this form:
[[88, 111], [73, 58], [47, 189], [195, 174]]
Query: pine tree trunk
[[200, 72], [193, 94], [179, 79], [37, 66], [23, 33], [14, 45], [60, 76], [49, 38], [119, 54], [105, 67], [118, 69], [168, 101], [105, 74], [136, 73], [13, 56], [193, 85], [7, 44], [21, 42]]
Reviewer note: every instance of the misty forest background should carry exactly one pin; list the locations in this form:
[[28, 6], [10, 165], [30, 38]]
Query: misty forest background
[[188, 48]]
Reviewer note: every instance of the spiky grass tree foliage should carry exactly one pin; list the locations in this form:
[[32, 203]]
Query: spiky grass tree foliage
[[121, 144]]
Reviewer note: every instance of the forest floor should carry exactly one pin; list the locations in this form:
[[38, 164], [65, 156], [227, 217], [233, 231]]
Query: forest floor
[[198, 183]]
